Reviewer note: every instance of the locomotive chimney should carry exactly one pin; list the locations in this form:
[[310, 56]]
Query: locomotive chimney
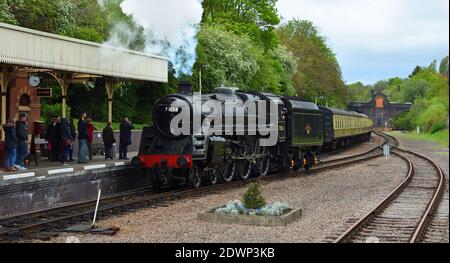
[[185, 87]]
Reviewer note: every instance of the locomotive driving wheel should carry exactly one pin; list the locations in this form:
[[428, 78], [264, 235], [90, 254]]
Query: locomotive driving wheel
[[245, 169], [213, 177], [263, 164], [195, 176], [245, 165], [227, 171]]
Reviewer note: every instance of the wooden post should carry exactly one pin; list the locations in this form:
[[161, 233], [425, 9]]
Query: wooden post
[[64, 87], [110, 91], [63, 79], [4, 80]]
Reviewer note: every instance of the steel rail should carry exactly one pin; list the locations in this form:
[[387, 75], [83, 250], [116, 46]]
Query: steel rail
[[123, 201], [428, 211]]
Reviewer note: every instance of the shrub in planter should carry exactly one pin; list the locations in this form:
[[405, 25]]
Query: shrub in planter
[[253, 198]]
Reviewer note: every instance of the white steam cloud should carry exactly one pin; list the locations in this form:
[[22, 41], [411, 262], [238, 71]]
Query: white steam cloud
[[171, 26]]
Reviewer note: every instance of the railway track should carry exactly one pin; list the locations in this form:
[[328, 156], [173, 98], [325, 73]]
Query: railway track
[[408, 214], [48, 223]]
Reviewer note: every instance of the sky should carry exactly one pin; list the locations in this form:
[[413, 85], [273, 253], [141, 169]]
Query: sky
[[377, 39]]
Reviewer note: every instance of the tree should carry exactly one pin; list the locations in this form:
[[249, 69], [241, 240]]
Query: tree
[[122, 28], [90, 23], [433, 66], [443, 68], [48, 16], [256, 19], [412, 89], [253, 198], [359, 92], [429, 93], [318, 73], [417, 69], [225, 59], [381, 86], [6, 8]]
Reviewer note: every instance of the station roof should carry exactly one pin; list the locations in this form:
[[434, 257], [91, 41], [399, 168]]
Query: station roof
[[30, 48]]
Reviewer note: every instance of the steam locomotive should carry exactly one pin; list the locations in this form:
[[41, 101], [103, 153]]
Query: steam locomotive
[[303, 131]]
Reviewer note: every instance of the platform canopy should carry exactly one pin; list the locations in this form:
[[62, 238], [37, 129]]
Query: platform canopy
[[25, 47], [69, 60]]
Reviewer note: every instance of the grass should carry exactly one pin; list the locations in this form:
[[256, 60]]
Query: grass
[[440, 137]]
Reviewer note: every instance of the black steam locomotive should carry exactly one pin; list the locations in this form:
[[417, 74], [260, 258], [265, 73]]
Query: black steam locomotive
[[303, 130]]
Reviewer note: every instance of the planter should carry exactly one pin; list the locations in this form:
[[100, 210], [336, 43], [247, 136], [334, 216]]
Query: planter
[[271, 221]]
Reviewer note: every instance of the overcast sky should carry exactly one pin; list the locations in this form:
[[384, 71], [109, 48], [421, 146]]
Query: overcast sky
[[378, 39]]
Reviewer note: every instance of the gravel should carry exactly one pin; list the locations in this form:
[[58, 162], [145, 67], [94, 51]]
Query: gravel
[[375, 141], [328, 200], [440, 155]]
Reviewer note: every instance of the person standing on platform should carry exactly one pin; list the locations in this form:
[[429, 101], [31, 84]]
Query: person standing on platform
[[108, 140], [74, 136], [22, 147], [67, 139], [82, 139], [53, 138], [11, 142], [125, 138], [91, 129]]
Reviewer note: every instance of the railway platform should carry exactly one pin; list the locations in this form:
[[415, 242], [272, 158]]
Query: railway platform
[[52, 185]]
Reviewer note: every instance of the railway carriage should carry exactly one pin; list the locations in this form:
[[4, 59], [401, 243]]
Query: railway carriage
[[304, 130]]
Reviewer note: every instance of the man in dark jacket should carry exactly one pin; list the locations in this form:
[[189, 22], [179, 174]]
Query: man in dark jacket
[[125, 138], [74, 136], [54, 138], [66, 135], [11, 142], [82, 139], [22, 147], [108, 140]]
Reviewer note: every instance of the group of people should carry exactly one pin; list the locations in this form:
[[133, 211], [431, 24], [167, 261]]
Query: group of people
[[16, 144], [61, 134]]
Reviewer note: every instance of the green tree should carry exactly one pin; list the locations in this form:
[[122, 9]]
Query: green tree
[[443, 68], [225, 58], [429, 93], [359, 92], [318, 73], [417, 69], [433, 66], [6, 11], [381, 86], [412, 89], [253, 198], [254, 18], [90, 23], [49, 16], [122, 28]]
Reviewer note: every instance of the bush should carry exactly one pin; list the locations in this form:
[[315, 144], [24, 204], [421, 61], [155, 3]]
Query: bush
[[232, 208], [253, 198], [237, 208], [437, 128], [50, 110], [275, 209]]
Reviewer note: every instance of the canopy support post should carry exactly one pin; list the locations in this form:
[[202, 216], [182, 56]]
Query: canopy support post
[[5, 77], [64, 79], [110, 91]]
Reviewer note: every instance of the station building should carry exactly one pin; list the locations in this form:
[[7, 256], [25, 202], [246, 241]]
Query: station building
[[380, 110], [27, 57]]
